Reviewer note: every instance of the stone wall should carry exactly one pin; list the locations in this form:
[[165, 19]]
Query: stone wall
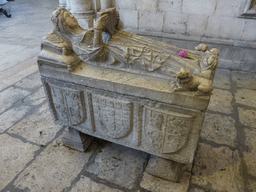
[[194, 18]]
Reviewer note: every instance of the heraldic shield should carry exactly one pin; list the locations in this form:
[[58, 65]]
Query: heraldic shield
[[68, 106], [166, 131], [112, 116]]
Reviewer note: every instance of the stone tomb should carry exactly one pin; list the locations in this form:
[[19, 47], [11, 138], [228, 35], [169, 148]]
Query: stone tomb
[[127, 89]]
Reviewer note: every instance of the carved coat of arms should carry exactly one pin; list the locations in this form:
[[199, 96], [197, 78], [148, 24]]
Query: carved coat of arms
[[167, 132], [68, 106], [112, 116]]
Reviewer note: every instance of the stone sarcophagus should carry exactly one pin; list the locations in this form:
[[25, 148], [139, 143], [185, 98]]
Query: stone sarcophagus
[[124, 88]]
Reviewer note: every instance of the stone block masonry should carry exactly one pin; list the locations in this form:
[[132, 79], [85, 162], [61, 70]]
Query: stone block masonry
[[211, 18]]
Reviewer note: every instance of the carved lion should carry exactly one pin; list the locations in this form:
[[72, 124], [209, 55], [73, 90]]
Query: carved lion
[[187, 82]]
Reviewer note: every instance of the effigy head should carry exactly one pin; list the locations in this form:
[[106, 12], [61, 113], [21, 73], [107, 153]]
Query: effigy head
[[63, 20]]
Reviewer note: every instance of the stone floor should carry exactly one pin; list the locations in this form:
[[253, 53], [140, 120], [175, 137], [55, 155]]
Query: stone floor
[[32, 157]]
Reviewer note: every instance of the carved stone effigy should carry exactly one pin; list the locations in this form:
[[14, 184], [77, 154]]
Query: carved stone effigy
[[124, 88]]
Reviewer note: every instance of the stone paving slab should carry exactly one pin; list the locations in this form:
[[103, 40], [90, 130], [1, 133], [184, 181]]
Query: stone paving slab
[[219, 129], [221, 101], [87, 185], [54, 169], [225, 160], [217, 169], [11, 95], [14, 156], [119, 165], [38, 127]]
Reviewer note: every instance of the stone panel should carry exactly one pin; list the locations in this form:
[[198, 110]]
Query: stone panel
[[150, 20], [54, 169], [14, 156], [220, 129], [119, 165], [205, 7], [196, 24], [217, 169], [87, 185], [175, 22]]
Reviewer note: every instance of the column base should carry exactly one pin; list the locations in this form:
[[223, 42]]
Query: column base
[[76, 140]]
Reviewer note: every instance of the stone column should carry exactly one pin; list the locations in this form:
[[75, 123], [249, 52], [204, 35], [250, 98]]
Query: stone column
[[105, 4], [62, 3], [83, 12]]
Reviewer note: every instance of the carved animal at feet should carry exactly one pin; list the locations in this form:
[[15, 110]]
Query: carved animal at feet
[[202, 47], [187, 82]]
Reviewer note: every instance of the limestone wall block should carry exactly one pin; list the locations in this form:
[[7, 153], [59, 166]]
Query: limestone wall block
[[149, 5], [125, 4], [227, 8], [171, 6], [129, 19], [151, 20], [249, 32], [225, 27], [196, 24], [175, 22], [206, 7]]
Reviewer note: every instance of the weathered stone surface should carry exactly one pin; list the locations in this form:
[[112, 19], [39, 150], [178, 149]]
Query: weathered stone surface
[[38, 127], [247, 117], [163, 168], [222, 79], [54, 169], [10, 96], [156, 184], [13, 157], [170, 6], [248, 32], [175, 23], [151, 20], [37, 98], [119, 165], [250, 155], [245, 80], [217, 169], [221, 101], [86, 185], [149, 5], [228, 26], [8, 118], [196, 190], [196, 24], [30, 82], [195, 6], [226, 8], [245, 97], [252, 185], [220, 129], [129, 18]]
